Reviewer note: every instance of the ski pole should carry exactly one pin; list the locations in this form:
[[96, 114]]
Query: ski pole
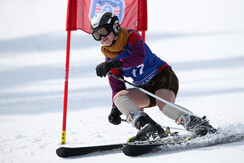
[[150, 94]]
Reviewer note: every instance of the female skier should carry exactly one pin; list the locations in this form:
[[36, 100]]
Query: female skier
[[126, 54]]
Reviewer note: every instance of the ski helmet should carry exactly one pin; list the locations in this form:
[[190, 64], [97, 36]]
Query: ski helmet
[[107, 20]]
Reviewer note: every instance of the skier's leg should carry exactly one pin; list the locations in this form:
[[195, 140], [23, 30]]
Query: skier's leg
[[167, 110], [146, 126], [191, 122], [139, 98]]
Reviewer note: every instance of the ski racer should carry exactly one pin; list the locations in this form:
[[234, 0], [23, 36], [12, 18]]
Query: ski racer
[[126, 54]]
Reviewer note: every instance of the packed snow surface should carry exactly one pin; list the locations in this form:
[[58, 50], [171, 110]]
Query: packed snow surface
[[203, 40]]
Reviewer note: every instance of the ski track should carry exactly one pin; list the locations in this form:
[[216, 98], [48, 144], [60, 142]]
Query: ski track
[[201, 39]]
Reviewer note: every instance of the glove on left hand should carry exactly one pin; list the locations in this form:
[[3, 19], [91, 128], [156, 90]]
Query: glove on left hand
[[114, 116], [103, 68]]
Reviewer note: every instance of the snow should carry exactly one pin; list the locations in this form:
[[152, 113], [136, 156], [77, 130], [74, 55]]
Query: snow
[[201, 39]]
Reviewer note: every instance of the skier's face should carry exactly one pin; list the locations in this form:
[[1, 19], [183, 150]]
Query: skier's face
[[107, 40]]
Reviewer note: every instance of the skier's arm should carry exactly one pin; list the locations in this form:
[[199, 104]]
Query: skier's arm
[[137, 51], [115, 84]]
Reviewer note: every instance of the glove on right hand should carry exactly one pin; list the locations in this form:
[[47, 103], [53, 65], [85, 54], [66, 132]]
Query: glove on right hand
[[103, 68]]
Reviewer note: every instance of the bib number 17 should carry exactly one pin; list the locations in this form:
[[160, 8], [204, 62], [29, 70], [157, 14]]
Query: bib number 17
[[138, 69]]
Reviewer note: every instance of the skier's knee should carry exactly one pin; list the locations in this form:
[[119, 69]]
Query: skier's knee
[[119, 94], [126, 106], [161, 106]]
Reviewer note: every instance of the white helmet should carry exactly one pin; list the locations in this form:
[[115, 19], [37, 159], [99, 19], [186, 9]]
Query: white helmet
[[105, 19]]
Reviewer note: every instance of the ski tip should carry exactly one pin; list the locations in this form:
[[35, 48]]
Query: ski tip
[[129, 151], [61, 152], [137, 150]]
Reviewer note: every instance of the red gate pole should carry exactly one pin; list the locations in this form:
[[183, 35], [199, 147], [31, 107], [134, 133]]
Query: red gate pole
[[143, 33], [63, 141]]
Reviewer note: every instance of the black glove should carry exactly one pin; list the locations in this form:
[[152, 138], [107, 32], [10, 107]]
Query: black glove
[[114, 116], [103, 68]]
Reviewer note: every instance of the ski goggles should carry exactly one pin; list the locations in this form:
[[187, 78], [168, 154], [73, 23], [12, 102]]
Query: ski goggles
[[99, 32]]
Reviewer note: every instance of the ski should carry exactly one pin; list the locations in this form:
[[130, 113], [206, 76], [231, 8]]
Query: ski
[[65, 152], [138, 149], [178, 142]]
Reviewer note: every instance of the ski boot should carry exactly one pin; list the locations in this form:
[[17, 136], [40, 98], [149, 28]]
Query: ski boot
[[147, 127], [198, 126]]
